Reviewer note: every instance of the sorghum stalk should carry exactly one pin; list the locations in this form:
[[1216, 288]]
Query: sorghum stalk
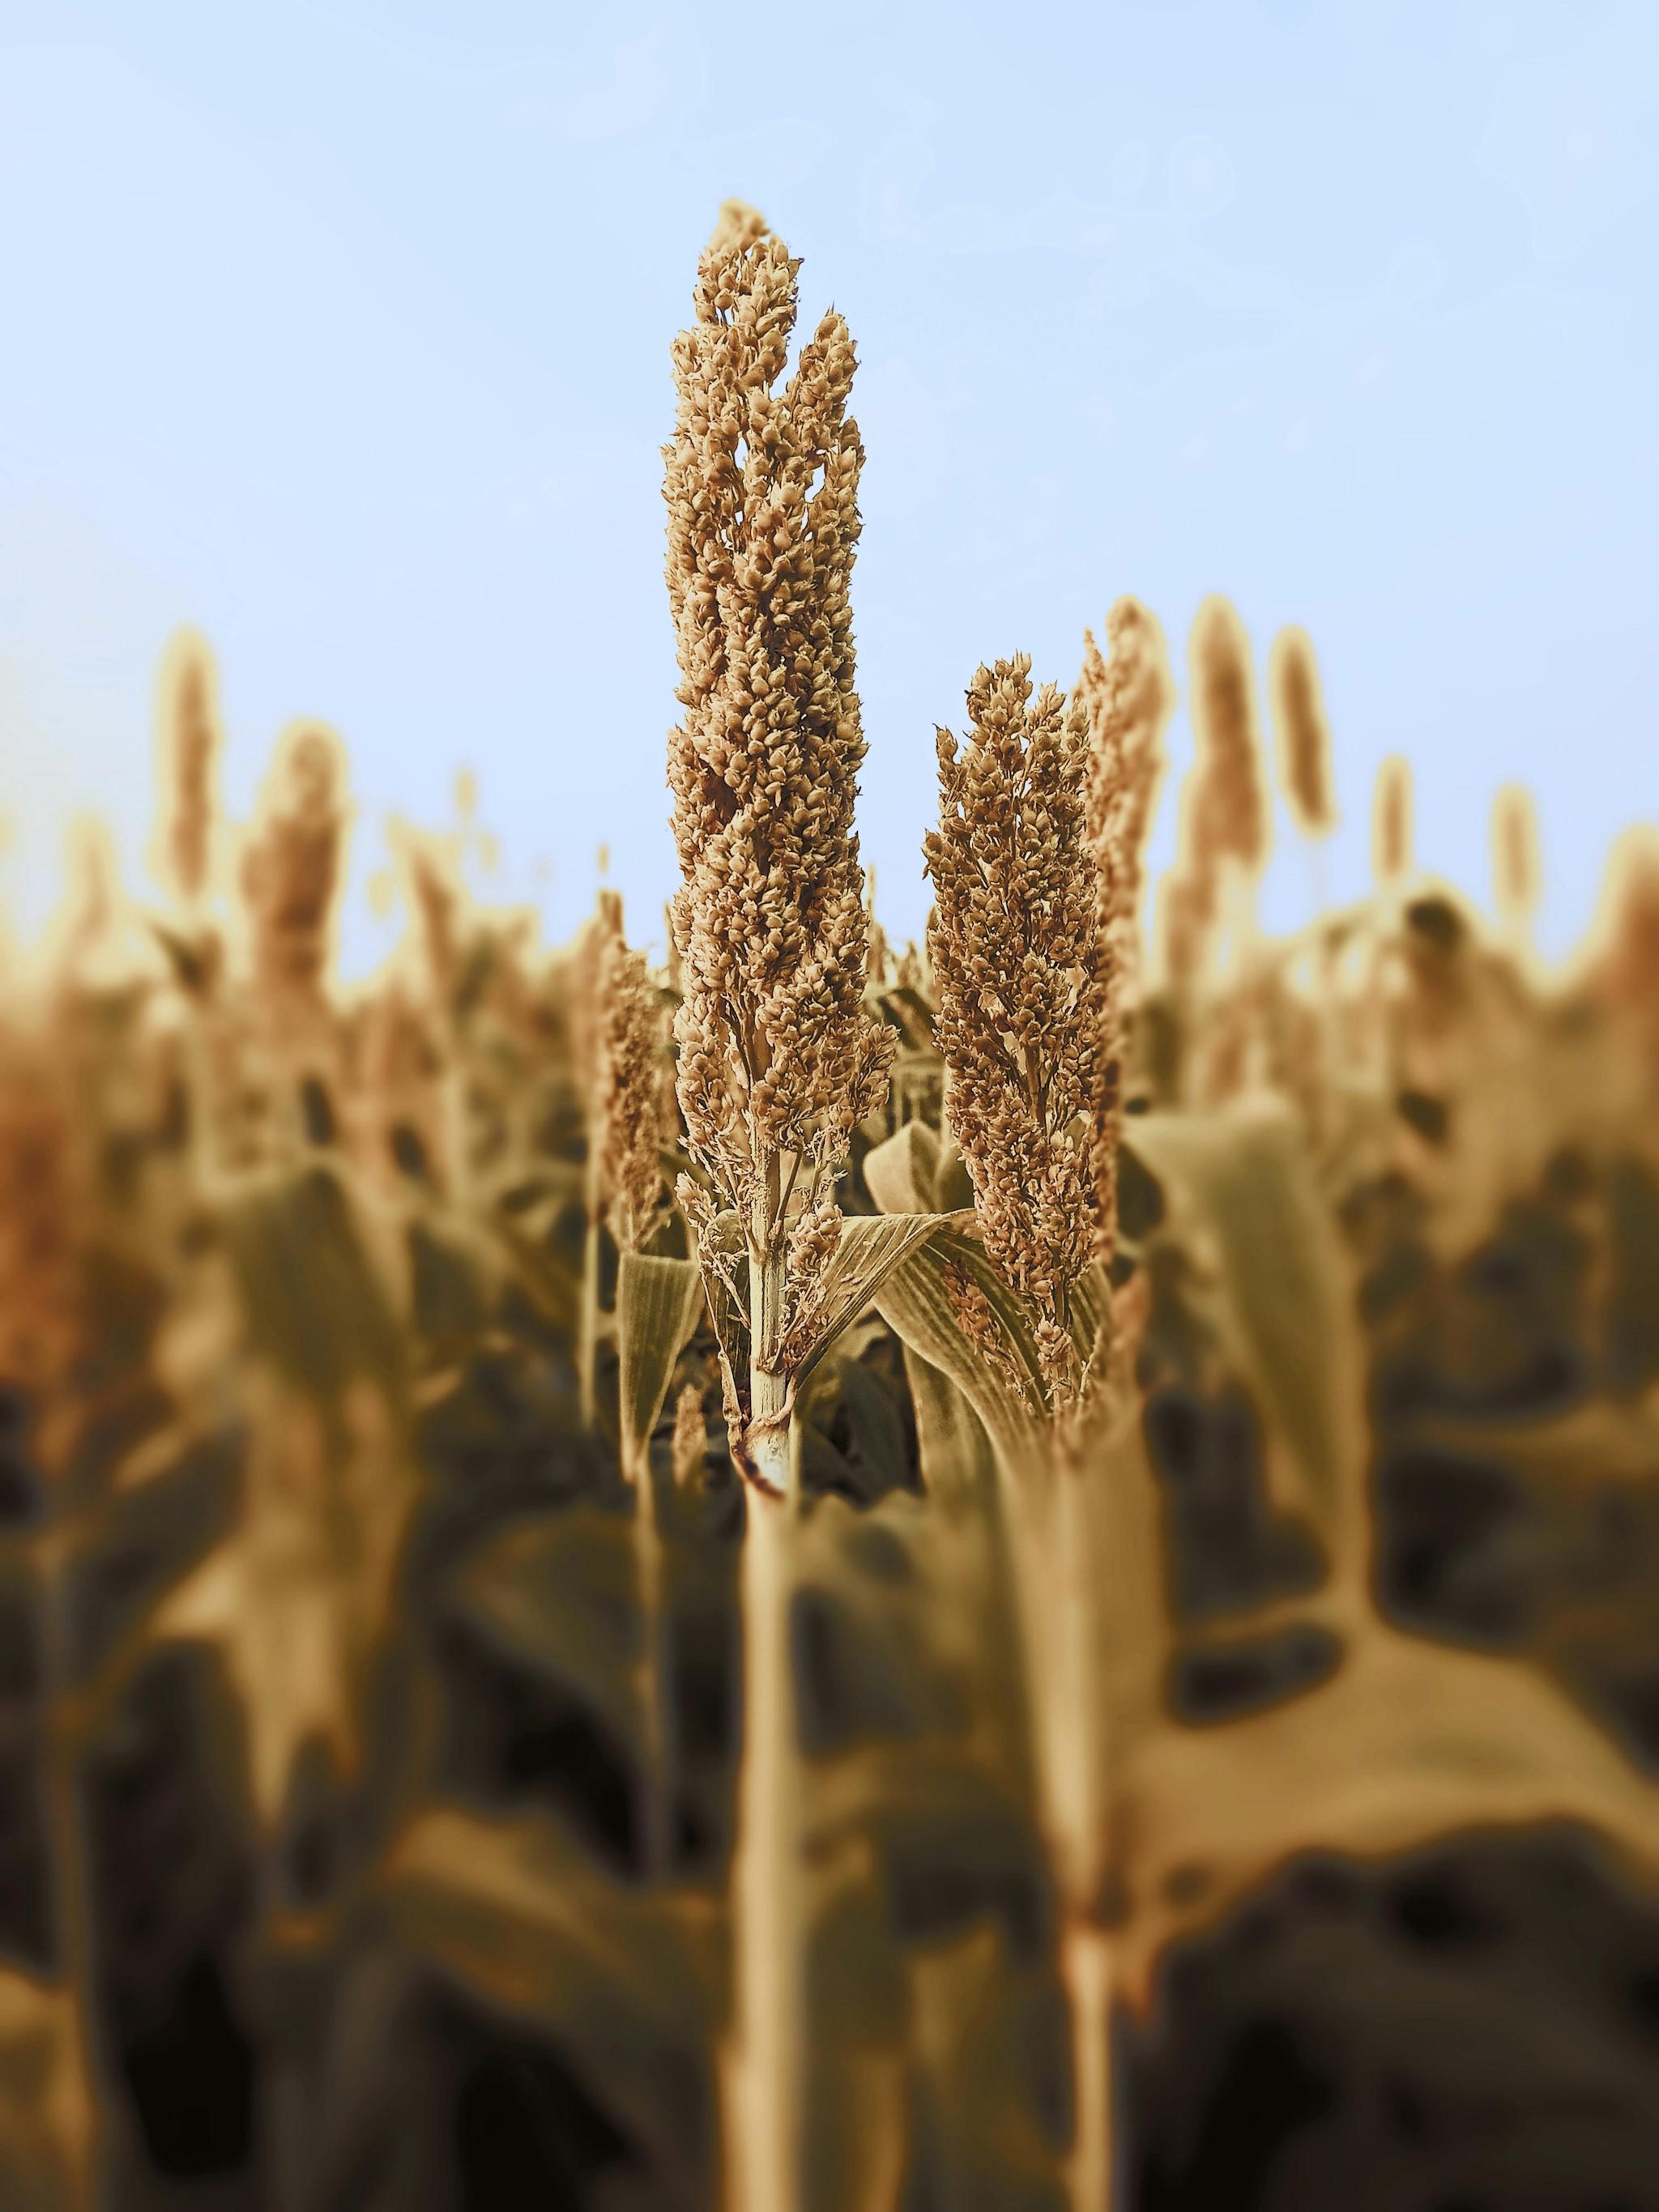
[[777, 1060], [1021, 941]]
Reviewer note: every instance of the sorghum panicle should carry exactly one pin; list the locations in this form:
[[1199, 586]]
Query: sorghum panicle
[[1128, 699], [1391, 822], [1303, 734], [630, 1133], [775, 1051], [1023, 1020]]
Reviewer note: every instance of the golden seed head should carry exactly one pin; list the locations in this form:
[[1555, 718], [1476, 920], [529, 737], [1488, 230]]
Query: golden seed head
[[770, 925], [1231, 820], [190, 748], [1517, 868], [1391, 822], [1024, 981], [630, 1040], [1128, 700], [291, 869], [1303, 734]]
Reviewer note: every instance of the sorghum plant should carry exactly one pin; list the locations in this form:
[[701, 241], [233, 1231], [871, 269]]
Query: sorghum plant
[[778, 1060], [1026, 919]]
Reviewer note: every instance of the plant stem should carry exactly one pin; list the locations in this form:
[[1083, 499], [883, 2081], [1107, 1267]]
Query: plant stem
[[763, 2109], [762, 2114]]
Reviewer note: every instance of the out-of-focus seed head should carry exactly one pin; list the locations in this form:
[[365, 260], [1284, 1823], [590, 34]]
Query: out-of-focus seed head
[[1231, 821], [1129, 695], [1128, 700], [291, 868], [1304, 734], [628, 1088], [1391, 822], [1625, 955], [1517, 868], [190, 744], [1224, 838]]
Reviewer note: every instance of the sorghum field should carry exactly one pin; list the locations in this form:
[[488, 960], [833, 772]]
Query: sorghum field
[[1014, 1573]]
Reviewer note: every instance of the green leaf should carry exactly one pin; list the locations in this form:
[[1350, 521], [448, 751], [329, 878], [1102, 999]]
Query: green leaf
[[559, 1594], [657, 1301], [1245, 1180], [628, 1981]]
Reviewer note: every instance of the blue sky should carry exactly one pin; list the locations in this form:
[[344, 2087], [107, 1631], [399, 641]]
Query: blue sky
[[340, 329]]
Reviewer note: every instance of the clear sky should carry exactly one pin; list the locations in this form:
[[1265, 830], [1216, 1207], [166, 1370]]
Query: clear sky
[[340, 328]]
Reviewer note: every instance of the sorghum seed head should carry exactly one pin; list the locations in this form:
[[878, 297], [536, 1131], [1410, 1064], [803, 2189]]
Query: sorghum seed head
[[1303, 734], [1023, 972], [775, 1051]]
